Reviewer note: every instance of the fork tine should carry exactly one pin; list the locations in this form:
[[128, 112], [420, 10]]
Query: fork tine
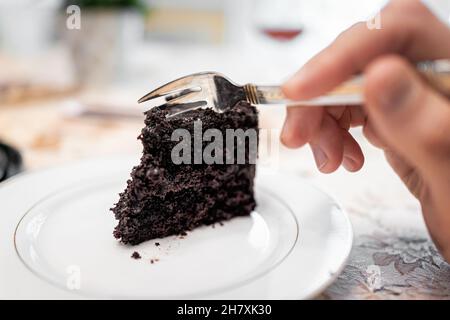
[[172, 96], [183, 106], [175, 85], [179, 108], [180, 97], [180, 94]]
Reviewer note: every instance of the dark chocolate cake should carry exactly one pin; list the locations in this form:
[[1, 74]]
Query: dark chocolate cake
[[163, 198]]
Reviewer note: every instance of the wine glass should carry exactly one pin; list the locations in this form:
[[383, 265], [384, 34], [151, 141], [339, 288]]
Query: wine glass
[[279, 20]]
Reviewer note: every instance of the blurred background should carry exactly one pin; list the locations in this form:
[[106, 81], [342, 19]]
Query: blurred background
[[71, 71]]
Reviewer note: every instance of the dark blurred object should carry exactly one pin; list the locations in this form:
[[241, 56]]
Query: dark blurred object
[[110, 4], [10, 162]]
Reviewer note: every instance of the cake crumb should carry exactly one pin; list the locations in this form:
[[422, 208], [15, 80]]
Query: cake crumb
[[152, 261], [221, 224], [157, 244], [136, 255]]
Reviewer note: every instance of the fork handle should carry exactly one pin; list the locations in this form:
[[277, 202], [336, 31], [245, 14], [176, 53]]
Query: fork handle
[[435, 73]]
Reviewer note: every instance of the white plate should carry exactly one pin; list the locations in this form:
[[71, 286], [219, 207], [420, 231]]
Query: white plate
[[56, 242]]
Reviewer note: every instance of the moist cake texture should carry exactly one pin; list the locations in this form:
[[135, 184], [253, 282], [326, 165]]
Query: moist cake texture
[[163, 198]]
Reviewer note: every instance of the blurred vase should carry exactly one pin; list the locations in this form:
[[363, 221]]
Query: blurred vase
[[99, 48]]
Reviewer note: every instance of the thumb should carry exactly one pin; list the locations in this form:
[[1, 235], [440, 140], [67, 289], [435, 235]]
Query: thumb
[[410, 117]]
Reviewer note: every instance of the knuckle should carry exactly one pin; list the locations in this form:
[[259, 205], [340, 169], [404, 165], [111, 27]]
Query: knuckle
[[415, 7], [405, 15], [400, 17]]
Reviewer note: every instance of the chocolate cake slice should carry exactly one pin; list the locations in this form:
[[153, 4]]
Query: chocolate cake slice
[[164, 197]]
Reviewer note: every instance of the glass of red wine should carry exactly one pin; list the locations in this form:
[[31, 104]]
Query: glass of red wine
[[282, 34], [277, 26], [279, 20]]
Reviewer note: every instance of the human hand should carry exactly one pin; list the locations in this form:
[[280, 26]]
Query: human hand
[[401, 115]]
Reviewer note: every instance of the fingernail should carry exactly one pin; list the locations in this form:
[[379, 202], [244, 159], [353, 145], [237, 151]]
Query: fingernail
[[397, 93], [349, 164], [319, 156]]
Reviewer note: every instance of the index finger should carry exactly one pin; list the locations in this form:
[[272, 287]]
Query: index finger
[[408, 28]]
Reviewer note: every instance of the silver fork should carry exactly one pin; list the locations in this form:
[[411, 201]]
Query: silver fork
[[213, 90]]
